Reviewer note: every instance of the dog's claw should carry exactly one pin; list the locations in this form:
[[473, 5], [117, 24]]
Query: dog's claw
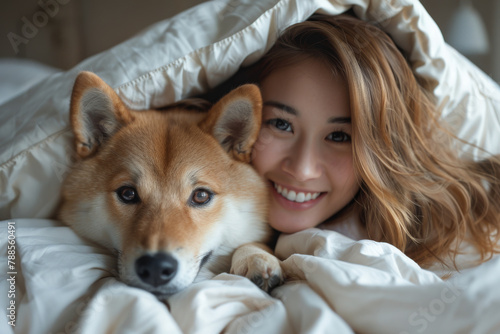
[[275, 281], [269, 283], [259, 281]]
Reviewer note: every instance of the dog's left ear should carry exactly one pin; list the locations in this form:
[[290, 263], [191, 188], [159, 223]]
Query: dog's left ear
[[235, 121]]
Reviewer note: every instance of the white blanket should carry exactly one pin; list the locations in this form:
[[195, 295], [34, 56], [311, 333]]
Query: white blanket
[[63, 284]]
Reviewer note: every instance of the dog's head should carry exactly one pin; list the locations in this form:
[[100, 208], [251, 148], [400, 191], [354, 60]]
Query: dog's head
[[171, 192]]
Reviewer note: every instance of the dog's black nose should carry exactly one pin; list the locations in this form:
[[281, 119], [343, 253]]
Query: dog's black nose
[[157, 269]]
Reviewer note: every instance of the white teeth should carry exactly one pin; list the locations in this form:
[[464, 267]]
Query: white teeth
[[293, 196]]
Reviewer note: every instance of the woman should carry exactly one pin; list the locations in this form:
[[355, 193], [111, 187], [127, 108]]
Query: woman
[[348, 129]]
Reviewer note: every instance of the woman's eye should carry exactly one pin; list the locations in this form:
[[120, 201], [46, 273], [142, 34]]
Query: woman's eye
[[201, 197], [280, 124], [339, 137], [128, 195]]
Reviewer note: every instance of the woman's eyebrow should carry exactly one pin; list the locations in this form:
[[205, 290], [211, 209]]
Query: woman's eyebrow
[[293, 111], [282, 106], [339, 120]]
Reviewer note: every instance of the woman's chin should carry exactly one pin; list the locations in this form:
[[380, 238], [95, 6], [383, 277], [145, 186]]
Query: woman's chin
[[289, 223]]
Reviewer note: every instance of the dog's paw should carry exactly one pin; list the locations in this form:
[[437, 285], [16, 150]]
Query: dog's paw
[[262, 268]]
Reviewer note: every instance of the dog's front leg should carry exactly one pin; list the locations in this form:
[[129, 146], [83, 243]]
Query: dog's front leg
[[256, 262]]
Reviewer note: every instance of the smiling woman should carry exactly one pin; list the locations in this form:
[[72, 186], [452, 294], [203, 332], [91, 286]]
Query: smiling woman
[[308, 161], [347, 128]]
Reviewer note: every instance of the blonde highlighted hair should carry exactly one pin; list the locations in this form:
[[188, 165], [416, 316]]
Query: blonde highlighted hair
[[416, 193]]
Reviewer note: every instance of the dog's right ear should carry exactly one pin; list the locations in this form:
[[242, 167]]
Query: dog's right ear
[[96, 113]]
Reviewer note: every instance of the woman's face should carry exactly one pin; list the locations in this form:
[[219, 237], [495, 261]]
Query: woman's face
[[304, 148]]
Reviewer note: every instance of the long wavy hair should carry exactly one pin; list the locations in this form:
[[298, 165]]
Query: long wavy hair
[[415, 191]]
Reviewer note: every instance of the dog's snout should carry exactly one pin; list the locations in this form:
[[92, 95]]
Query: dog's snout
[[157, 269]]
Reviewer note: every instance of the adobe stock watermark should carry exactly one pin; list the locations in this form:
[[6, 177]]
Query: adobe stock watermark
[[31, 25], [11, 273], [425, 315]]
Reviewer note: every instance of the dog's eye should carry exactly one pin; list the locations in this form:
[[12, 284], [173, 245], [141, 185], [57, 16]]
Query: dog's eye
[[201, 197], [128, 195]]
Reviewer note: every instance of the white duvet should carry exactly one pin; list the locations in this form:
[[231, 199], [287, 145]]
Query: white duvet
[[66, 285], [60, 283]]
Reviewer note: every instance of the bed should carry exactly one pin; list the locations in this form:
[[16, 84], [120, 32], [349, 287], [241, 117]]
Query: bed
[[57, 282]]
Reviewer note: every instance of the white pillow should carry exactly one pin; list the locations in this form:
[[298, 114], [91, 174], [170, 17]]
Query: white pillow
[[195, 51]]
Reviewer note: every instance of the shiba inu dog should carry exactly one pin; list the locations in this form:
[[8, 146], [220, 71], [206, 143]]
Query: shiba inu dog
[[170, 192]]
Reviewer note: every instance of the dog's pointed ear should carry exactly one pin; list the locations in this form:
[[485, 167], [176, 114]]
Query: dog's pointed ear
[[235, 121], [96, 113]]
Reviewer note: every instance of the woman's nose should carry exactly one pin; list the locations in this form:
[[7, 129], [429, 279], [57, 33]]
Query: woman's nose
[[303, 161]]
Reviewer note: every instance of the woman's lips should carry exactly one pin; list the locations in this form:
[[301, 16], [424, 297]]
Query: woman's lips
[[294, 199]]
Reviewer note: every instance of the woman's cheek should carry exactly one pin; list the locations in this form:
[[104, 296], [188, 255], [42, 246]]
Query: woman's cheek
[[266, 150], [264, 140]]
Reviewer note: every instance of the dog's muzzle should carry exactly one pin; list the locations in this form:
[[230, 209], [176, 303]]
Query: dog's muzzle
[[157, 269]]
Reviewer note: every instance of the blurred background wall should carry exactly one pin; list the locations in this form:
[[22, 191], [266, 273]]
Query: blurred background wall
[[76, 29], [61, 33], [488, 11]]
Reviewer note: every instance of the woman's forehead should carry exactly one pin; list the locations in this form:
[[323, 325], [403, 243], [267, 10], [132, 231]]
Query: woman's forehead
[[307, 86]]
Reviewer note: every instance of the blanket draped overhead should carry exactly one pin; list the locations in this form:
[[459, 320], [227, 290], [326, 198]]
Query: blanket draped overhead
[[65, 285]]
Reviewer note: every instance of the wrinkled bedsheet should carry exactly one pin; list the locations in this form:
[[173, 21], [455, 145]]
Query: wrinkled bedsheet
[[66, 285]]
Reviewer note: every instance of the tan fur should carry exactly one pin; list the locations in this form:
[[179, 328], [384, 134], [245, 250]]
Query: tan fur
[[165, 157]]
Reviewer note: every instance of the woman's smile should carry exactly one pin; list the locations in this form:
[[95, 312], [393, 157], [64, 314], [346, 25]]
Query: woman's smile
[[296, 199], [295, 195]]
